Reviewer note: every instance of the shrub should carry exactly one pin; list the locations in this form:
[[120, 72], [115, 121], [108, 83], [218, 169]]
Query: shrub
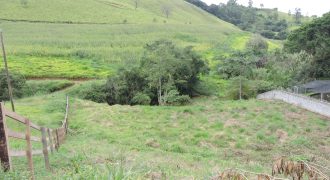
[[167, 75], [248, 90], [17, 82], [174, 98], [141, 99], [93, 91]]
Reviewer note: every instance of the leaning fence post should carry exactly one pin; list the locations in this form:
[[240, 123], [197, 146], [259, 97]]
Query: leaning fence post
[[4, 147], [57, 140], [45, 147], [50, 140], [29, 147]]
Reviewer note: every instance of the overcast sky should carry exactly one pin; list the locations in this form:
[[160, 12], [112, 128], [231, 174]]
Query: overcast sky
[[308, 7]]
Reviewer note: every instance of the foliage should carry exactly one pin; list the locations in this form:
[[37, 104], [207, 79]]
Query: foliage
[[165, 73], [263, 21], [239, 64], [141, 98], [257, 45], [314, 38], [39, 87], [236, 83], [206, 133], [289, 69], [93, 91], [17, 82], [174, 98]]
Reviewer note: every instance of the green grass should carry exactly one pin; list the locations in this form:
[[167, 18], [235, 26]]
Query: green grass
[[53, 44], [197, 140], [41, 87], [105, 11], [87, 51]]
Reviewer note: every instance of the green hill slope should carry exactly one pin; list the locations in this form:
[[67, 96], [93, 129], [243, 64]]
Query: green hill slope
[[196, 141], [91, 38], [104, 11]]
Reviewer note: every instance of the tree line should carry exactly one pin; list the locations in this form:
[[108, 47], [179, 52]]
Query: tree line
[[262, 21]]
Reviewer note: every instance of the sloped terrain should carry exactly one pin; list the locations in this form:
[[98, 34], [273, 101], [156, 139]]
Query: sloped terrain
[[197, 140]]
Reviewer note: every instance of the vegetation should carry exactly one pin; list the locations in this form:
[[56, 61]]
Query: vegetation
[[107, 42], [42, 87], [270, 23], [198, 140], [314, 38], [17, 82], [109, 52], [166, 75]]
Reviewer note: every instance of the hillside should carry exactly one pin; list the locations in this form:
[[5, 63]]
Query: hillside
[[197, 140], [91, 39], [104, 11]]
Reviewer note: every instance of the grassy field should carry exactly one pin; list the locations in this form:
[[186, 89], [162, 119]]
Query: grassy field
[[89, 51], [94, 38], [197, 140]]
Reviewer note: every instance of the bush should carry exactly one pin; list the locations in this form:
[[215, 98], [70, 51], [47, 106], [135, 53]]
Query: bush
[[268, 34], [93, 91], [141, 99], [248, 90], [17, 82], [166, 75], [45, 87], [174, 98], [96, 93]]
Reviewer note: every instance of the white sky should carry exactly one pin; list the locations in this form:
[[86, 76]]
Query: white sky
[[308, 7]]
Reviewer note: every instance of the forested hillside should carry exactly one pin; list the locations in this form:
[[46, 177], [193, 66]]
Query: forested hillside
[[270, 23]]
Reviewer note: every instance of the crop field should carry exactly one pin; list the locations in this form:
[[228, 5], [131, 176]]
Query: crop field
[[80, 51], [196, 140], [94, 42]]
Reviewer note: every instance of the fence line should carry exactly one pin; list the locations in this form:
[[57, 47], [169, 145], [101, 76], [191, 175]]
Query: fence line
[[311, 104], [51, 139]]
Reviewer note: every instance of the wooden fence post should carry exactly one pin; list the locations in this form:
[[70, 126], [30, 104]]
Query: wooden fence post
[[67, 115], [45, 147], [50, 141], [4, 147], [29, 147], [57, 140]]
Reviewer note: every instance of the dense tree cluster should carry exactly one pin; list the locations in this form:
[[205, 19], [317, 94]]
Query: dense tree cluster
[[314, 38], [256, 70], [266, 23], [166, 75]]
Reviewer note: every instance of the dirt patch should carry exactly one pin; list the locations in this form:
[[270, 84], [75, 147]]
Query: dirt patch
[[205, 144], [152, 143], [281, 135], [232, 123], [155, 176], [219, 135]]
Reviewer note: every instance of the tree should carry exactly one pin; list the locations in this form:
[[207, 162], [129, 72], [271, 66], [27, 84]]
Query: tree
[[250, 3], [257, 45], [166, 9], [168, 68], [262, 6], [166, 75], [297, 15], [314, 38]]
